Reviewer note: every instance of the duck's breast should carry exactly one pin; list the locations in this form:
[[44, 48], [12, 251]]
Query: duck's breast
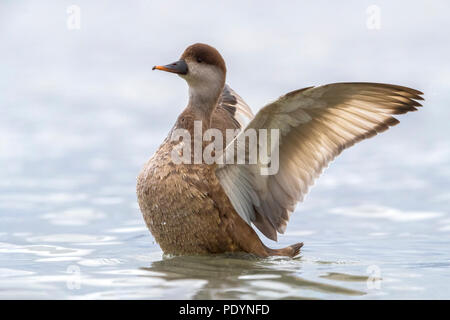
[[180, 206]]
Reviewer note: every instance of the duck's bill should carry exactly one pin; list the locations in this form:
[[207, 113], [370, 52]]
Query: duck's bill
[[179, 67]]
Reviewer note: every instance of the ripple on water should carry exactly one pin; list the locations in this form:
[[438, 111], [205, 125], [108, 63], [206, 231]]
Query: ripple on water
[[74, 217], [107, 200], [129, 229], [6, 273], [299, 233], [84, 239], [444, 225], [41, 198], [98, 262], [44, 250], [380, 212]]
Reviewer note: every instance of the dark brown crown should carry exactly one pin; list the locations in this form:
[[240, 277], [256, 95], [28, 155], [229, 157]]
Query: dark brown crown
[[204, 53]]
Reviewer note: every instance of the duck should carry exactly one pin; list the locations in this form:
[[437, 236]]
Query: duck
[[197, 208]]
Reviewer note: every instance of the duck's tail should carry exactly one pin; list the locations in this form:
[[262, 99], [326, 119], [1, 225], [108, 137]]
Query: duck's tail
[[291, 251]]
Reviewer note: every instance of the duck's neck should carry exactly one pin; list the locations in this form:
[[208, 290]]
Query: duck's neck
[[203, 101]]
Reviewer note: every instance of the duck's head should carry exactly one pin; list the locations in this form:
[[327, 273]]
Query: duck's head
[[203, 68]]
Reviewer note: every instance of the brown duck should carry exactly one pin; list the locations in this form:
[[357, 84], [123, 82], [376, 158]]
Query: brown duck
[[205, 208]]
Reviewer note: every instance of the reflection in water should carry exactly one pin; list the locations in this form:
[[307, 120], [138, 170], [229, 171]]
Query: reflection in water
[[243, 276], [346, 277]]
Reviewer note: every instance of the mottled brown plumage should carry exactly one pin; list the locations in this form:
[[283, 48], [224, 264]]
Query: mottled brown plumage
[[209, 208]]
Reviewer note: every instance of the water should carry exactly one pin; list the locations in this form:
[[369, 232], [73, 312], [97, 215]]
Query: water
[[80, 112], [374, 226]]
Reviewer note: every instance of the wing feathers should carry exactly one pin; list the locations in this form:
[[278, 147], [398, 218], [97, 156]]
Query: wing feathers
[[235, 106], [316, 124]]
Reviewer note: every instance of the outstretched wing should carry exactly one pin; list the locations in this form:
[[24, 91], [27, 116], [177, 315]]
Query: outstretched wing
[[315, 125]]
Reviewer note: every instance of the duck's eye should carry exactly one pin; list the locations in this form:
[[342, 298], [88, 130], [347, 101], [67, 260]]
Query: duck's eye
[[199, 60]]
